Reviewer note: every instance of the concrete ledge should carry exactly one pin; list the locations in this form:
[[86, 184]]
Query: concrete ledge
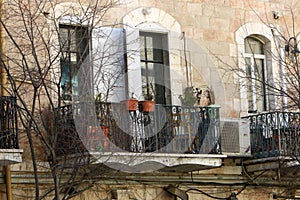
[[271, 163], [10, 156], [144, 162]]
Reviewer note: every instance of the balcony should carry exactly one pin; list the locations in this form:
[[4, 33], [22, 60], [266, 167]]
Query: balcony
[[169, 136], [9, 144], [275, 140]]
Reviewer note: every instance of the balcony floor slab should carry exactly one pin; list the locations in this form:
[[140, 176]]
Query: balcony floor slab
[[10, 156], [145, 162]]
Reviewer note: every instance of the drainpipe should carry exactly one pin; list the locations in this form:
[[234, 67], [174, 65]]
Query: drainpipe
[[8, 182], [4, 93], [2, 51], [284, 82]]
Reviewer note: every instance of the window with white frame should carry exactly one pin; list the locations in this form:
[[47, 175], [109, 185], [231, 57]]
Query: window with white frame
[[74, 43], [154, 66], [101, 56], [256, 72]]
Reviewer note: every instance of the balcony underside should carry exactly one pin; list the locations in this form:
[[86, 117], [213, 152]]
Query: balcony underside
[[10, 156], [284, 163], [145, 162]]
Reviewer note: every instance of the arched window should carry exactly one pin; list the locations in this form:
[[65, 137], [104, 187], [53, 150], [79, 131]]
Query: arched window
[[256, 72], [149, 67]]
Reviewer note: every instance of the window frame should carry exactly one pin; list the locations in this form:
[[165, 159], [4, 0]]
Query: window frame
[[66, 61], [253, 57], [163, 85]]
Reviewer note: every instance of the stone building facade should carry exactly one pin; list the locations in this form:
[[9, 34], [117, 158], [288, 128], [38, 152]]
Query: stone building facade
[[198, 44]]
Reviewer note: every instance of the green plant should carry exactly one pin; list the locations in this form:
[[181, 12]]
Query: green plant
[[102, 109], [98, 101], [149, 92], [190, 96]]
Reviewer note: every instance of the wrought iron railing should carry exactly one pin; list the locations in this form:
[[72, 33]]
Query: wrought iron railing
[[168, 129], [8, 123], [68, 140], [275, 134]]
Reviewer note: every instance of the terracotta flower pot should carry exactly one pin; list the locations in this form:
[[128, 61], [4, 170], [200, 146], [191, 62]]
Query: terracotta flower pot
[[105, 130], [148, 105], [131, 104], [98, 134]]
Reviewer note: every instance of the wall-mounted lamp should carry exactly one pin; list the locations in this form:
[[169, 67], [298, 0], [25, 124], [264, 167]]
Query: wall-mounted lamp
[[276, 14], [146, 11], [45, 13], [294, 46]]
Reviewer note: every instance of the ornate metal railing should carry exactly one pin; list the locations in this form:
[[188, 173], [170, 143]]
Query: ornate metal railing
[[8, 123], [68, 140], [275, 134], [168, 129]]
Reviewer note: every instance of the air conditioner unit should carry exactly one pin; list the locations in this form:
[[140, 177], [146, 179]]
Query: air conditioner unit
[[235, 137]]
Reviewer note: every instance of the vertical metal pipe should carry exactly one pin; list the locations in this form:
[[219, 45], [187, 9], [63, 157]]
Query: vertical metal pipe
[[2, 52], [8, 182], [283, 76], [4, 93]]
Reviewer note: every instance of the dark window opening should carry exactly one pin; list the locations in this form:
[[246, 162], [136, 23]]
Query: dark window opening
[[155, 67], [74, 45]]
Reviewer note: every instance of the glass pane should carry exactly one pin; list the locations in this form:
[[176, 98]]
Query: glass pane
[[63, 38], [82, 40], [249, 85], [148, 79], [144, 79], [143, 69], [147, 69], [64, 73], [150, 70], [157, 48], [158, 55], [143, 72], [259, 66], [260, 85], [248, 67], [151, 87], [73, 57], [250, 94], [250, 103], [160, 86], [65, 80], [142, 47], [253, 46], [153, 44], [260, 103], [149, 48], [64, 56], [73, 40], [74, 80]]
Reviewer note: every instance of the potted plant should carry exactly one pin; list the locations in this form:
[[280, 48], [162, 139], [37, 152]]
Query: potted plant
[[148, 103], [191, 96], [131, 104]]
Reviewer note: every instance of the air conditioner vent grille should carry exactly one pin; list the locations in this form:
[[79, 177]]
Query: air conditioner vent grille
[[230, 137]]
